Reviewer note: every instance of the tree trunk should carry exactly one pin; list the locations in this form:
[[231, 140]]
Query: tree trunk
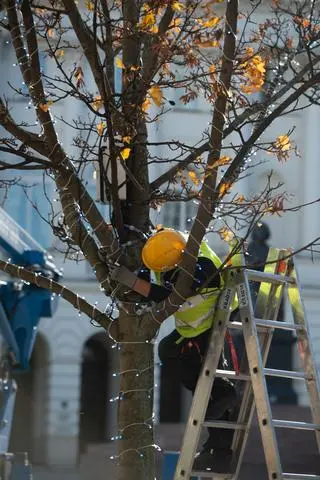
[[135, 423]]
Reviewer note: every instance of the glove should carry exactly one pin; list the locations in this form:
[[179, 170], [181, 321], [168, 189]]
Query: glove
[[123, 275]]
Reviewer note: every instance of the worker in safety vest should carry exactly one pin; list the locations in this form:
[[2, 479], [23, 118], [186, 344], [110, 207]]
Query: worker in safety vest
[[187, 344]]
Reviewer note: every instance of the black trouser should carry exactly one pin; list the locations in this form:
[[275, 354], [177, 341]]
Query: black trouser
[[189, 354]]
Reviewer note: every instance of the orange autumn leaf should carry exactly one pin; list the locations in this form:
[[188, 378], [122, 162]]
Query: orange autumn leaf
[[125, 153], [148, 20], [100, 128], [254, 73], [175, 25], [212, 71], [281, 147], [146, 105], [249, 51], [240, 198], [156, 95], [224, 160], [277, 207], [97, 103], [283, 143], [51, 33], [224, 188], [226, 234], [303, 22], [177, 6], [90, 6], [212, 22], [45, 106], [119, 63], [194, 178], [289, 42], [39, 11], [126, 139], [207, 43], [78, 74]]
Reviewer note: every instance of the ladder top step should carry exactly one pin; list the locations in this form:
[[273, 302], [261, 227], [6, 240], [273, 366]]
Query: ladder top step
[[257, 276], [300, 476], [269, 324], [272, 372], [260, 322], [295, 425]]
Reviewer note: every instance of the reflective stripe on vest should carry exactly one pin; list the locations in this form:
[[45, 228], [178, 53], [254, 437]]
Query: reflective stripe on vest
[[193, 301], [194, 324], [195, 318]]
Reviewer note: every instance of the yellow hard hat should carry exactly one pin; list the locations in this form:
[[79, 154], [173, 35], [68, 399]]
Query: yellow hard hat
[[163, 250]]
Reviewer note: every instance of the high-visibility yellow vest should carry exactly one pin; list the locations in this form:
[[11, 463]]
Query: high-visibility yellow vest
[[196, 315]]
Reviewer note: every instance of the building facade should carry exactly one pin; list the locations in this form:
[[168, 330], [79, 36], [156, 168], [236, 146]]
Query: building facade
[[63, 403]]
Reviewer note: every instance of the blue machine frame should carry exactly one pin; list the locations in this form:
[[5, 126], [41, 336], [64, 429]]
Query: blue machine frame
[[22, 305]]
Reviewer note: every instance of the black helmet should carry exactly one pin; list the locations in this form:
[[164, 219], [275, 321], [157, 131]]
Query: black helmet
[[260, 232]]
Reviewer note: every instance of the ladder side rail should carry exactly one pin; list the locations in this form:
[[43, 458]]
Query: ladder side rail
[[259, 385], [204, 386], [269, 300], [305, 349], [247, 405]]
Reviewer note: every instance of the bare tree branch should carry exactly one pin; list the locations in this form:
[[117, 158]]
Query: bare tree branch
[[233, 170], [208, 198], [89, 48], [237, 122], [30, 161], [29, 139], [40, 281]]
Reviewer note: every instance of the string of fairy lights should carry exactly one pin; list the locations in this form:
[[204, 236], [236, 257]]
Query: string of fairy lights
[[109, 310], [136, 308]]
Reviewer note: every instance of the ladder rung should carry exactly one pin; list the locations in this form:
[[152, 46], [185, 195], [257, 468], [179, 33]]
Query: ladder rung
[[275, 324], [268, 277], [300, 476], [235, 325], [210, 474], [287, 374], [232, 374], [295, 425], [222, 424], [269, 324], [270, 372]]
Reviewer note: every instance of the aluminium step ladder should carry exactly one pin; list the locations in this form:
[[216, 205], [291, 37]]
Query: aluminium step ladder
[[258, 324]]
